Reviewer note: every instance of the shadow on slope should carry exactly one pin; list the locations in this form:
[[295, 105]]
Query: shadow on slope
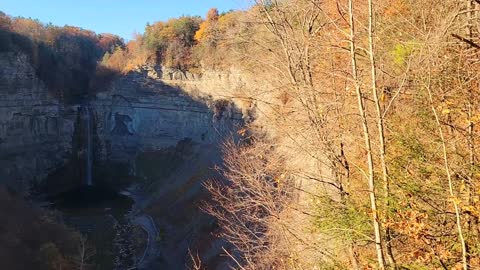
[[67, 64], [147, 134]]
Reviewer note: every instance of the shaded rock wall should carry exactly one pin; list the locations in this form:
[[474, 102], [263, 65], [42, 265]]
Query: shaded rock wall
[[35, 128], [137, 113]]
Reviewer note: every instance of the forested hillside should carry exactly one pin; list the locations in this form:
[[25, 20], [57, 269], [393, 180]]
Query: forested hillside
[[363, 153], [65, 58]]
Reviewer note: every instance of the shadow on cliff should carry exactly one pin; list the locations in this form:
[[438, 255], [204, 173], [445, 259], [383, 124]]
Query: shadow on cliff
[[141, 129], [165, 142], [159, 138]]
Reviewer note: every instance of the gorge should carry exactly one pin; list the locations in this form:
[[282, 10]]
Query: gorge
[[288, 134], [140, 136]]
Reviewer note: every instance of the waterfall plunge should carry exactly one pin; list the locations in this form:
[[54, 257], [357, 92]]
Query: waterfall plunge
[[89, 154]]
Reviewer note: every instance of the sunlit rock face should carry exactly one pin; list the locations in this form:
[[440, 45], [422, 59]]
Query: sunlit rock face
[[35, 128], [137, 113]]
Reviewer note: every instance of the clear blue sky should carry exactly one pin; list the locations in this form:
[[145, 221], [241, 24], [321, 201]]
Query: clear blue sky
[[120, 17]]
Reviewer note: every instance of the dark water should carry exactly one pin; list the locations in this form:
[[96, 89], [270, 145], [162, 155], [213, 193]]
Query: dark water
[[92, 200], [102, 215]]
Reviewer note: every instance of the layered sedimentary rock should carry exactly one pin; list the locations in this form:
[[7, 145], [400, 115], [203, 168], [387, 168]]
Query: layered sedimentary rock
[[137, 113], [35, 128]]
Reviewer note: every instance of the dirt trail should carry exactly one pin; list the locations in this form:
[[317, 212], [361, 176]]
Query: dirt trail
[[152, 250]]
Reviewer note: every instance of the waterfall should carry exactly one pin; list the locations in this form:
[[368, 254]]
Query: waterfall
[[89, 154]]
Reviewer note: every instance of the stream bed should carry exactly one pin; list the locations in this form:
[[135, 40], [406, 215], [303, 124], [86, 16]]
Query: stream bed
[[104, 216]]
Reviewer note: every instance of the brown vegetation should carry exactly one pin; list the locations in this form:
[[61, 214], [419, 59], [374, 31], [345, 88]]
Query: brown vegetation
[[364, 152], [31, 239], [249, 203], [399, 76]]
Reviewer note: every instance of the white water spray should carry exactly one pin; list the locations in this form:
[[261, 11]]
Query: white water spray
[[89, 147]]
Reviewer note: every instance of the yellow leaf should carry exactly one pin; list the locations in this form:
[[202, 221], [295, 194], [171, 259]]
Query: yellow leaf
[[462, 186], [455, 200]]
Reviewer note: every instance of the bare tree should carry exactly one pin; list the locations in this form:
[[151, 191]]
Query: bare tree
[[449, 178], [195, 261], [366, 133], [250, 203], [380, 124], [84, 255]]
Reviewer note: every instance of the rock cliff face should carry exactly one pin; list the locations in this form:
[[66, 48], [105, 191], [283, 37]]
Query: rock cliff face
[[138, 113], [157, 127], [35, 128]]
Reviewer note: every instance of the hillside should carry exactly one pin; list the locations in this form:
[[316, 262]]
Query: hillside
[[297, 134]]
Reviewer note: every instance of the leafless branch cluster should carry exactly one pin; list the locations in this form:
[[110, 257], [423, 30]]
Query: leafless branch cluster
[[249, 202]]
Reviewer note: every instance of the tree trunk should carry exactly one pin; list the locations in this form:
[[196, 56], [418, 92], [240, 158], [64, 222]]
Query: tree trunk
[[381, 130], [368, 146], [450, 181]]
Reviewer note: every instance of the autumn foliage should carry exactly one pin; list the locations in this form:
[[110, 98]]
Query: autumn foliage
[[400, 74], [65, 58], [363, 150], [184, 43]]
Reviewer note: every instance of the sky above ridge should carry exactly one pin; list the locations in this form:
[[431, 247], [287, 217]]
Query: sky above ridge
[[120, 17]]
